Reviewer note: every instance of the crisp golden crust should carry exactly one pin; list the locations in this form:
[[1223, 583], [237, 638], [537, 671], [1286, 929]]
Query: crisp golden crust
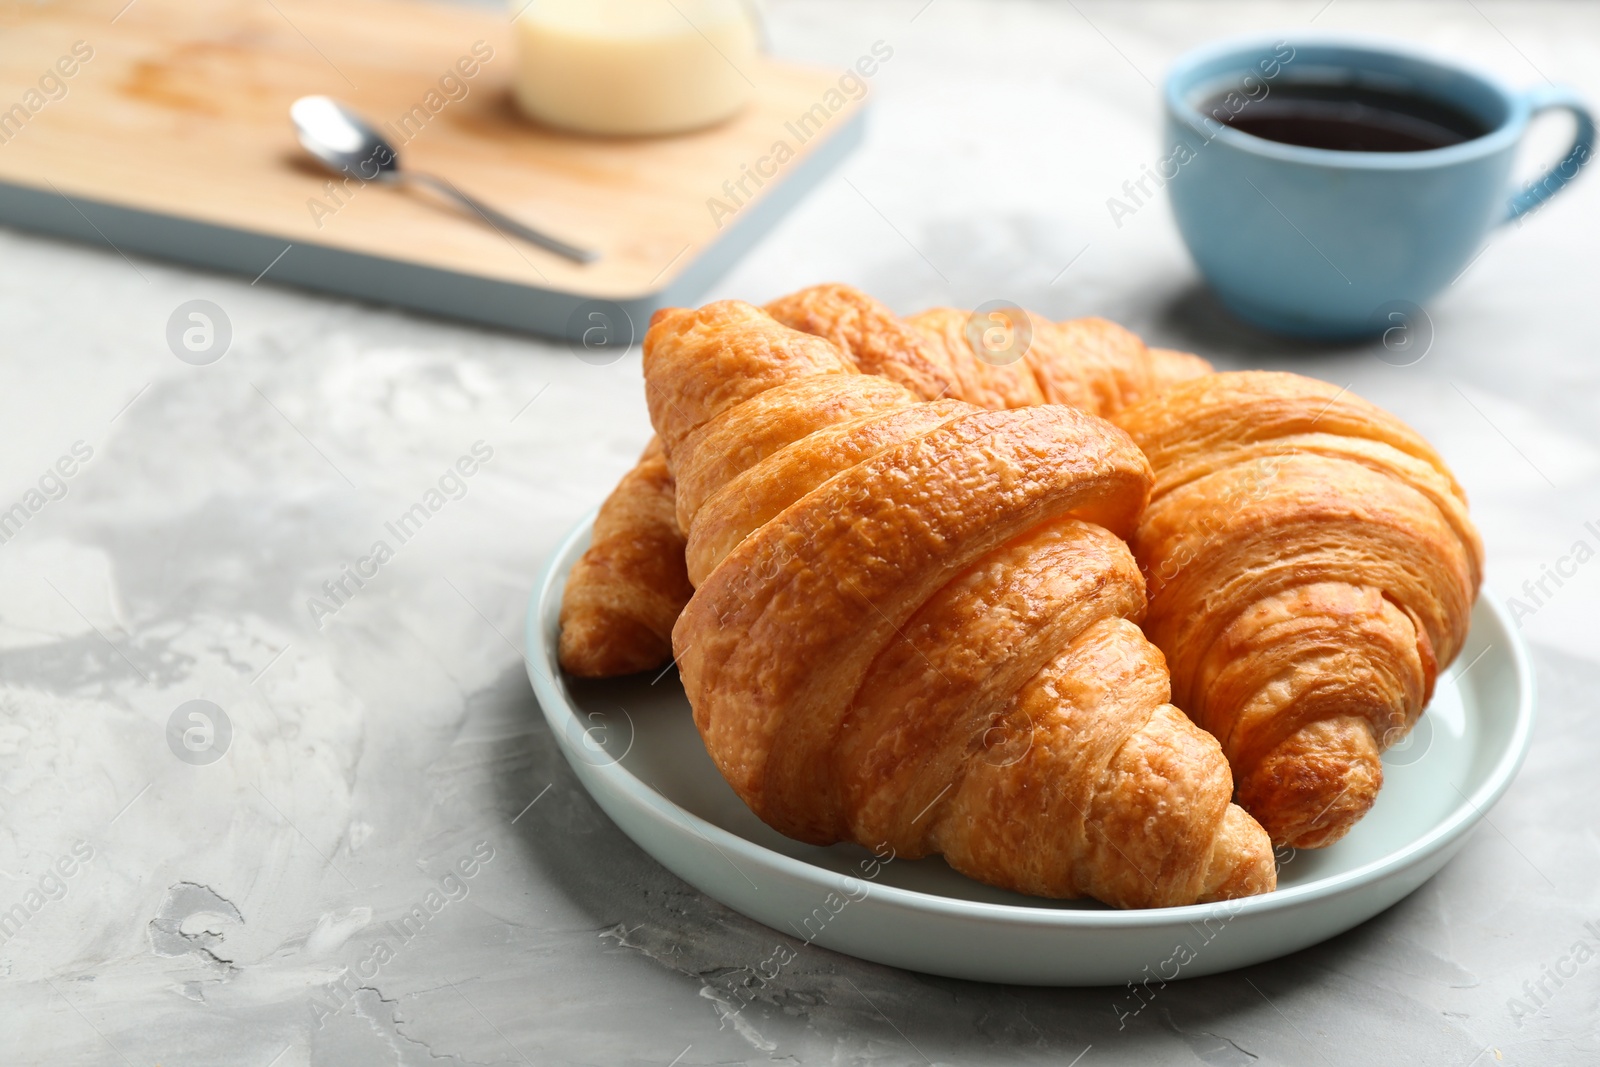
[[748, 500], [977, 381], [743, 435], [986, 634], [1168, 367], [625, 592], [734, 356], [876, 340], [1311, 568], [936, 572], [1090, 363]]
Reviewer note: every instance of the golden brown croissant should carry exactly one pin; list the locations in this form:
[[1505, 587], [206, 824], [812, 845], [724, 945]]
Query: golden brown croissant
[[626, 591], [1090, 363], [915, 625], [1168, 367], [1311, 568]]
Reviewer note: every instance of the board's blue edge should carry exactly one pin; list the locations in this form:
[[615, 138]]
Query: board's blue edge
[[450, 294]]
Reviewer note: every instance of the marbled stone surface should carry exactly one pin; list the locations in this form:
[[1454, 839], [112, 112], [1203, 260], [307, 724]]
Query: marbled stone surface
[[209, 905]]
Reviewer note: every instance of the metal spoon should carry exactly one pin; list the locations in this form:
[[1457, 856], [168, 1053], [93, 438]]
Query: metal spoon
[[344, 143]]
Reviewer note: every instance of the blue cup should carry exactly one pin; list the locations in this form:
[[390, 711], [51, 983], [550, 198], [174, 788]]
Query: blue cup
[[1317, 242]]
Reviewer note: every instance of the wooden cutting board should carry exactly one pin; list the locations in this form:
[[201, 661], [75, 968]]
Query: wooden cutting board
[[171, 137]]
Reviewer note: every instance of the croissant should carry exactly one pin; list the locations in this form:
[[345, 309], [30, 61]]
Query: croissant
[[925, 634], [1311, 569], [1089, 363], [626, 590]]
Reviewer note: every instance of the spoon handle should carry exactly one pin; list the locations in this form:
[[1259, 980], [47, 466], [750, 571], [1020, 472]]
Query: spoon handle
[[503, 222]]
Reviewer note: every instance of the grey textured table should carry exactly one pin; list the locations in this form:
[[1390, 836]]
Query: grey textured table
[[374, 749]]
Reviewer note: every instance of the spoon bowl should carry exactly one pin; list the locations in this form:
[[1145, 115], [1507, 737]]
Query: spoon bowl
[[341, 139], [346, 144]]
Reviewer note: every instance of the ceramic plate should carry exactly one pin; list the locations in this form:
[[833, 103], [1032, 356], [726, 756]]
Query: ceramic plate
[[634, 747]]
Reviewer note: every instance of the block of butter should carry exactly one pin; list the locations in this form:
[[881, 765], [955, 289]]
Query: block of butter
[[631, 67]]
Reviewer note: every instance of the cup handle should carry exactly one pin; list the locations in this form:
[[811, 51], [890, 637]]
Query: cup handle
[[1548, 98]]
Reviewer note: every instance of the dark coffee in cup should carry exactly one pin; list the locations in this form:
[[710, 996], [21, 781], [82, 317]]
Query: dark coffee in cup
[[1352, 118]]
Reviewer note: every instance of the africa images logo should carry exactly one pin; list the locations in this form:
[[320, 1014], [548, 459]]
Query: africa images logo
[[199, 732]]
